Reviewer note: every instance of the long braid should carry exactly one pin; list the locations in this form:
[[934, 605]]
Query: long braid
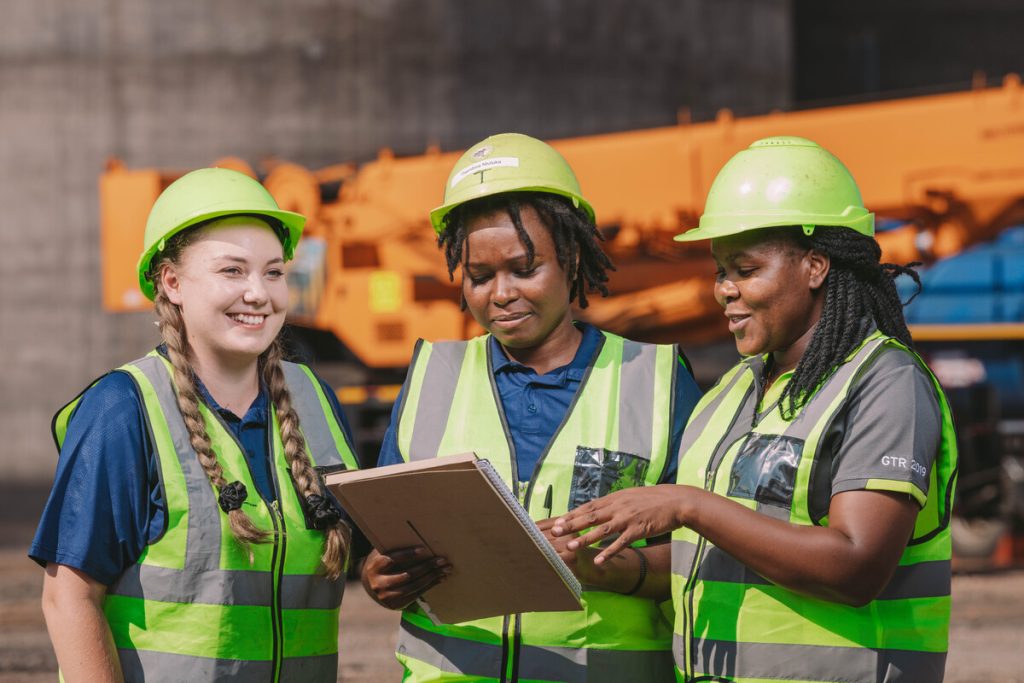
[[576, 237], [307, 482], [172, 329], [860, 294]]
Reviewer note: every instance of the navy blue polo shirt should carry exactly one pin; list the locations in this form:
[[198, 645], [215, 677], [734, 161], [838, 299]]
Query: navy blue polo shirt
[[106, 504], [535, 404]]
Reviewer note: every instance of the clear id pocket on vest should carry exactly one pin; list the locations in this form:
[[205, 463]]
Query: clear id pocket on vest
[[599, 471], [765, 469]]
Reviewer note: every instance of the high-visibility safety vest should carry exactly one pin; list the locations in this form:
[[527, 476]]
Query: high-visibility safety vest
[[195, 607], [617, 430], [732, 624]]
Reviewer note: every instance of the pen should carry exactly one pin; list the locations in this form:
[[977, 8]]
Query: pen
[[547, 500]]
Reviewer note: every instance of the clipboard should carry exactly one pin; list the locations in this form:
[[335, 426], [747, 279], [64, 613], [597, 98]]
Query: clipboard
[[459, 508]]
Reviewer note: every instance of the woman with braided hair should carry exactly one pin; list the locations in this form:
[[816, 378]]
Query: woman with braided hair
[[810, 516], [565, 412], [188, 535]]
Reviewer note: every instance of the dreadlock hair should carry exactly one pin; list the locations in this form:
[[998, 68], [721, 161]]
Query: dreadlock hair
[[304, 476], [576, 237], [860, 295]]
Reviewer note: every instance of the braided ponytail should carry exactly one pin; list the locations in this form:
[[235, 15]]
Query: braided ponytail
[[860, 294], [307, 482]]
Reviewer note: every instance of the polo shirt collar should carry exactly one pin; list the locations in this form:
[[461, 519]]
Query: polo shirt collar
[[574, 370], [257, 412]]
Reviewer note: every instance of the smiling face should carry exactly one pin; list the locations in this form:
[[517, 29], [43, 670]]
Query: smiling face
[[771, 291], [230, 286], [524, 304]]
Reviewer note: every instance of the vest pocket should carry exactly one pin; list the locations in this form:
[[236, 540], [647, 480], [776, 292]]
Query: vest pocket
[[765, 469], [599, 471]]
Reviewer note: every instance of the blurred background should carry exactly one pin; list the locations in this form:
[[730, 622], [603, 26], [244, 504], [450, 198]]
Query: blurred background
[[354, 111]]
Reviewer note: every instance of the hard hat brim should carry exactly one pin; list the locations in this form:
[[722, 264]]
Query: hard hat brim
[[292, 222], [437, 215], [864, 224]]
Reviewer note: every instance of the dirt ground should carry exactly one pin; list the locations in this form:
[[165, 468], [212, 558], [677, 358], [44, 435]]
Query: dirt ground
[[986, 636]]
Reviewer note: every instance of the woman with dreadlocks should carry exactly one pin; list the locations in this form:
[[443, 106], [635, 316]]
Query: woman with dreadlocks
[[188, 536], [565, 412], [812, 505]]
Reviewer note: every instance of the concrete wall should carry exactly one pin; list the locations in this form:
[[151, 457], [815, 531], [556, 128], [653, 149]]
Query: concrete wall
[[862, 49], [171, 83]]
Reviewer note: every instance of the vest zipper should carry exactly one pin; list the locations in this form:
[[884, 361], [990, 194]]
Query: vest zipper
[[710, 477], [277, 569], [506, 647], [277, 560], [509, 650], [709, 481], [517, 644], [517, 635], [277, 555]]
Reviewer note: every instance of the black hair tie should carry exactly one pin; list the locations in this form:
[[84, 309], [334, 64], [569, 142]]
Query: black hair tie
[[232, 496], [323, 512]]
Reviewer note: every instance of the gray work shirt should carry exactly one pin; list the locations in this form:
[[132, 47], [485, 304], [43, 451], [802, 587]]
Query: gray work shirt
[[887, 432]]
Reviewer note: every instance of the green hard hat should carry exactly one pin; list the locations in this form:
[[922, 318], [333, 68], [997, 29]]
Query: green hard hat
[[203, 195], [509, 162], [782, 181]]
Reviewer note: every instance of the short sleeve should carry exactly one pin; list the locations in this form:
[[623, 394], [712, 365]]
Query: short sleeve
[[389, 452], [106, 504], [891, 429], [686, 397]]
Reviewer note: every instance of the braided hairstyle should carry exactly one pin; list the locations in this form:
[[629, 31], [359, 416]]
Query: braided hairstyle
[[308, 485], [337, 535], [576, 237], [860, 295]]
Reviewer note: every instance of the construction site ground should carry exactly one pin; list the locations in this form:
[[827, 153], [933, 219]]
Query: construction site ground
[[986, 635]]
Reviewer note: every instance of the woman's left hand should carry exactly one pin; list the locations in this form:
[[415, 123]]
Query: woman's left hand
[[642, 512], [621, 574]]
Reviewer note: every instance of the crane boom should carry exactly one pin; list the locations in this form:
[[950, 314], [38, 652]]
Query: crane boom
[[948, 169]]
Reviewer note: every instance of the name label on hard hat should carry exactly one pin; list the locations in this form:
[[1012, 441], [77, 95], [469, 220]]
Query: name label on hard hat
[[482, 166]]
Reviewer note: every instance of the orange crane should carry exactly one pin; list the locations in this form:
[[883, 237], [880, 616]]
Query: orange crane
[[949, 168], [947, 171]]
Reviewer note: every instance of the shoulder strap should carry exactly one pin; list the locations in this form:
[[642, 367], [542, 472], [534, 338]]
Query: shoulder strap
[[61, 419], [433, 390], [326, 440]]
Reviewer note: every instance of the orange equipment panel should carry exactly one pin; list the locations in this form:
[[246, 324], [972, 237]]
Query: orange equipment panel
[[949, 167]]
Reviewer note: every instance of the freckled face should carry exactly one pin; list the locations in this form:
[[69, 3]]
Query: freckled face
[[769, 289], [519, 302], [231, 289]]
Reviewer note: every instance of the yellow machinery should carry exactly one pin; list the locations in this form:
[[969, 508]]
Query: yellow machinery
[[943, 172], [948, 168]]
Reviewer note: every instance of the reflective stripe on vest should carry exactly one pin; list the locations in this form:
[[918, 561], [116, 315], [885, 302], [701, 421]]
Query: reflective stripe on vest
[[732, 623], [451, 658], [325, 439], [195, 607], [621, 419], [139, 665]]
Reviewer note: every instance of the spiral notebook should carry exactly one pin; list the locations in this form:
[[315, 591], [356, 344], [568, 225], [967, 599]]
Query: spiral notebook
[[459, 508]]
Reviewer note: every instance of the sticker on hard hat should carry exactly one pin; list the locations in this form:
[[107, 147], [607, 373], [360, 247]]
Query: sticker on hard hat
[[485, 165], [482, 153]]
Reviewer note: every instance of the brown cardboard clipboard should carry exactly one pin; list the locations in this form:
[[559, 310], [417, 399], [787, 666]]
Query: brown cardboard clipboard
[[501, 563]]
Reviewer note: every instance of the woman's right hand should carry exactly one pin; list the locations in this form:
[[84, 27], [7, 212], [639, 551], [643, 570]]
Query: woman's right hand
[[397, 578], [631, 514]]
